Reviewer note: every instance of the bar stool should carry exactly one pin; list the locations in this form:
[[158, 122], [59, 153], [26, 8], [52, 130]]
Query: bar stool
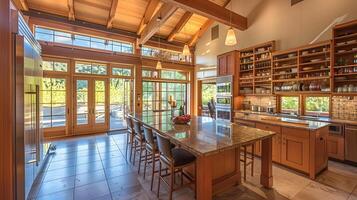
[[130, 136], [151, 150], [139, 141], [248, 160], [175, 159]]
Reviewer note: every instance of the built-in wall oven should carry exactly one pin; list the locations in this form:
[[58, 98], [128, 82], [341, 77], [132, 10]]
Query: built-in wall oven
[[224, 98]]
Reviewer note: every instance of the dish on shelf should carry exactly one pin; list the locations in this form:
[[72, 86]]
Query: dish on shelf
[[351, 42], [354, 49], [305, 53], [290, 55], [316, 60], [340, 51], [307, 68]]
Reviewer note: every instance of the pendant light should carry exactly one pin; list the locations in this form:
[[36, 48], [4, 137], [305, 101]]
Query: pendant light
[[158, 64], [231, 36], [186, 50]]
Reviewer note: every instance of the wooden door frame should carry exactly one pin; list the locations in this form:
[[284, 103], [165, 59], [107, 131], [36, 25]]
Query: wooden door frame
[[81, 129], [101, 127]]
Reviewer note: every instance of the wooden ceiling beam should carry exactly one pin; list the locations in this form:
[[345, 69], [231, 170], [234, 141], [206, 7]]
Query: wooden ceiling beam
[[149, 12], [212, 11], [21, 4], [204, 28], [179, 26], [200, 32], [112, 13], [70, 4], [153, 26]]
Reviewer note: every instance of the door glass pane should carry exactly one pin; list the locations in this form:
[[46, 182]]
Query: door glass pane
[[120, 102], [82, 102], [99, 101], [53, 102]]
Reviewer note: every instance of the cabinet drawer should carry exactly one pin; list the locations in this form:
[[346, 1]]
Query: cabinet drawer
[[269, 127], [295, 132]]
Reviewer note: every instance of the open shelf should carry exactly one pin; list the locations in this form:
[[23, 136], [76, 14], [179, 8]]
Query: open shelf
[[259, 65]]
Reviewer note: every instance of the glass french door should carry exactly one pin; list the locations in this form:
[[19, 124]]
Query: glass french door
[[121, 98], [90, 105]]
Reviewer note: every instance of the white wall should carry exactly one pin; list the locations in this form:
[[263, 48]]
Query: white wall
[[290, 26]]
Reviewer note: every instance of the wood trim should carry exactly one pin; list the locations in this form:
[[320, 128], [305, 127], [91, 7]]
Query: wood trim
[[179, 26], [212, 11], [112, 13], [70, 4], [21, 4], [153, 26], [7, 113], [150, 9]]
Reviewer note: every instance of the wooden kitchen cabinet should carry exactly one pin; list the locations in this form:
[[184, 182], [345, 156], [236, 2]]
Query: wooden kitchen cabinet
[[336, 146], [226, 64], [295, 148], [276, 140]]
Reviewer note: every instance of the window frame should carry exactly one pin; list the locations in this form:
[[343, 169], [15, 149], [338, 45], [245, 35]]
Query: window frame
[[280, 103], [50, 59], [304, 112]]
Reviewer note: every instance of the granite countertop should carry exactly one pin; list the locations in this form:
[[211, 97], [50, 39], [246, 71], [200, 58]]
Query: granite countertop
[[284, 121], [309, 118], [203, 135]]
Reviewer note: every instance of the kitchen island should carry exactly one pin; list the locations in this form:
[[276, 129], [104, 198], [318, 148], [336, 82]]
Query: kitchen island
[[216, 144], [298, 144]]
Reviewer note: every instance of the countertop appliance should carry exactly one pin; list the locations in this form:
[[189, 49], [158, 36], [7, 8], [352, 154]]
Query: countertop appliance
[[224, 97], [30, 149], [351, 143]]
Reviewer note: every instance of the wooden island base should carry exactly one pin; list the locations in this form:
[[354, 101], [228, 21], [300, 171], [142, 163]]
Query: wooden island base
[[221, 171]]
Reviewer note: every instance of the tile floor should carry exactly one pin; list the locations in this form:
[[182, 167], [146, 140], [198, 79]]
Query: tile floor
[[95, 167]]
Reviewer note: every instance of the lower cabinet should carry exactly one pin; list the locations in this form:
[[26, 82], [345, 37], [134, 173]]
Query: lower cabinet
[[276, 140], [336, 146], [295, 148]]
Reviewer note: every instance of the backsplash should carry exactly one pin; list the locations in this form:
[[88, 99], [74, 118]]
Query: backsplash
[[261, 100], [344, 107]]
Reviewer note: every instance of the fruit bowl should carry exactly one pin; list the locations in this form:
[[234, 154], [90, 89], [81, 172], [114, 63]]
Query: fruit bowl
[[183, 119]]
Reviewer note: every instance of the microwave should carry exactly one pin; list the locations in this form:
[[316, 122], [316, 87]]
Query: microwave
[[224, 101], [224, 86]]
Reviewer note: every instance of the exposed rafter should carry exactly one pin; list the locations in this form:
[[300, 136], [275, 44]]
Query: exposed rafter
[[112, 12], [212, 11], [204, 28], [70, 4], [21, 4], [179, 26], [200, 32], [149, 12], [153, 26]]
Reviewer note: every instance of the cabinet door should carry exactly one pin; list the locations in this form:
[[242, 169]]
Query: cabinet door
[[295, 149], [321, 156], [230, 63], [276, 139], [222, 66], [336, 147]]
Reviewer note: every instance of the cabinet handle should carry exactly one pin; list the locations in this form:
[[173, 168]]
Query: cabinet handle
[[321, 138]]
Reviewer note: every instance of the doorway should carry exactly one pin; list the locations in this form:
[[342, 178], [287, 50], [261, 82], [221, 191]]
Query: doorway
[[207, 93], [90, 105], [121, 95]]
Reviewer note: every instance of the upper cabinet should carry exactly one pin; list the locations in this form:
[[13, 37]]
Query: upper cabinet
[[226, 63]]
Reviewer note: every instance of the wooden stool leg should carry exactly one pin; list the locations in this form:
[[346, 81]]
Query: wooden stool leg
[[135, 146], [158, 184], [127, 144], [245, 163], [146, 161], [252, 166], [153, 170], [141, 152], [172, 181]]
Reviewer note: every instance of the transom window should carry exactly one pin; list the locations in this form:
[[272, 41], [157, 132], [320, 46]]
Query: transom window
[[51, 35], [173, 75], [121, 71], [147, 73], [55, 66], [91, 68], [164, 54]]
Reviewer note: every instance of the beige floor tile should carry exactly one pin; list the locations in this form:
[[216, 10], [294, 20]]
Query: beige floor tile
[[317, 191], [338, 180]]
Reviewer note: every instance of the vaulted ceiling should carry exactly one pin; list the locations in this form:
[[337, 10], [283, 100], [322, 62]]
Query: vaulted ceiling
[[138, 16]]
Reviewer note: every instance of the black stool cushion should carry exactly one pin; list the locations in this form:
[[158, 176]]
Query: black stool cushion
[[182, 157]]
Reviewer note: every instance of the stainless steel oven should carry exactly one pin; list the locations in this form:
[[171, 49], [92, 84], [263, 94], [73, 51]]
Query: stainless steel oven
[[224, 86], [224, 98], [224, 102], [224, 113]]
